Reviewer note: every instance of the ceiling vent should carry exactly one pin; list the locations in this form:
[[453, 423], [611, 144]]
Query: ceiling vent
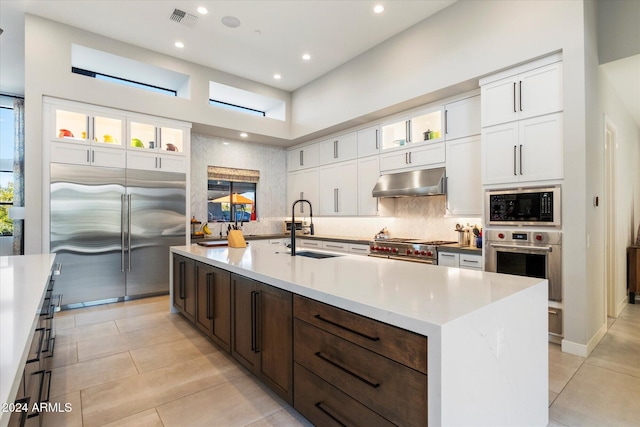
[[184, 18]]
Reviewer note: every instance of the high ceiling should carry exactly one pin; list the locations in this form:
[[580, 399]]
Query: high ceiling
[[271, 38]]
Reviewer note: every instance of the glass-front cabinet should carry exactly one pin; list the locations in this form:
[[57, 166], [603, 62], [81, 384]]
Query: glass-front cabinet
[[155, 137], [421, 127], [87, 127]]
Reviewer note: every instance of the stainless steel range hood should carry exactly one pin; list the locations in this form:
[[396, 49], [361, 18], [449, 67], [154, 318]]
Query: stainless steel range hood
[[427, 182]]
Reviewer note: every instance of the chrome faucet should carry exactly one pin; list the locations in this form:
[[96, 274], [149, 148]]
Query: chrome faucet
[[293, 223]]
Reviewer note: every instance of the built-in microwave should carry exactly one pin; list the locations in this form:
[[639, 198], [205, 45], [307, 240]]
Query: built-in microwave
[[534, 206]]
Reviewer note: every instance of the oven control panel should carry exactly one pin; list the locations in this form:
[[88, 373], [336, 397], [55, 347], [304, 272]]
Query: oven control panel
[[521, 236]]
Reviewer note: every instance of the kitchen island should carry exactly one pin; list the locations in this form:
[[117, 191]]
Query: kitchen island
[[487, 356], [23, 283]]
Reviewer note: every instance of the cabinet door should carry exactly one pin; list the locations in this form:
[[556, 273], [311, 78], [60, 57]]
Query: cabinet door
[[109, 157], [394, 134], [204, 298], [75, 154], [69, 124], [448, 259], [394, 160], [430, 154], [275, 339], [368, 141], [471, 262], [462, 118], [303, 157], [338, 189], [142, 160], [108, 130], [499, 101], [540, 145], [220, 307], [499, 154], [368, 174], [143, 136], [464, 177], [172, 140], [184, 287], [172, 163], [343, 147], [244, 333], [429, 122], [303, 185], [540, 91]]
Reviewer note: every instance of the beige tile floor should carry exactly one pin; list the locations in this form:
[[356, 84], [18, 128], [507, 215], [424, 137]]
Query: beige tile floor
[[135, 364]]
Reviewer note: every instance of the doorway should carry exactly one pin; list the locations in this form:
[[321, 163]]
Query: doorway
[[611, 278]]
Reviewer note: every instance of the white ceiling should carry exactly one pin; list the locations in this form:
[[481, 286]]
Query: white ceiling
[[271, 38]]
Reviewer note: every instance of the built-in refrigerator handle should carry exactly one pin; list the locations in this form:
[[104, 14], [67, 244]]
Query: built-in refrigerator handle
[[122, 241], [129, 229]]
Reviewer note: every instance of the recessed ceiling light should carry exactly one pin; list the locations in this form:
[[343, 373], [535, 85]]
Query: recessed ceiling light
[[179, 45], [277, 76], [244, 135], [202, 10], [225, 143], [306, 57], [230, 21], [378, 8]]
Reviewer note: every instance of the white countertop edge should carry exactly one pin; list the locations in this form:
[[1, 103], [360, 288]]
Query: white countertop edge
[[419, 326], [21, 341]]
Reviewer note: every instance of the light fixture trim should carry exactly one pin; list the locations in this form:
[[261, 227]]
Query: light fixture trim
[[230, 21]]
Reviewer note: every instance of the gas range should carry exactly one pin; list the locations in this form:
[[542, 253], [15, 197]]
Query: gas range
[[416, 250]]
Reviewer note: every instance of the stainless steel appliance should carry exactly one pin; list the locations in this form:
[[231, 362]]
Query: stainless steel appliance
[[523, 206], [112, 229], [526, 253], [407, 249]]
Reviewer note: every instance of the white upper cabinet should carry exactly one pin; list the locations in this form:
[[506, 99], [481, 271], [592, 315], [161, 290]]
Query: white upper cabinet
[[368, 174], [464, 183], [526, 150], [99, 136], [528, 94], [303, 184], [430, 155], [462, 118], [338, 149], [338, 189], [304, 157], [419, 127], [368, 141]]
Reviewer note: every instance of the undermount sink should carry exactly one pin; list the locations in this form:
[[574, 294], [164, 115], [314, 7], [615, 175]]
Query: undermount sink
[[309, 254], [316, 255]]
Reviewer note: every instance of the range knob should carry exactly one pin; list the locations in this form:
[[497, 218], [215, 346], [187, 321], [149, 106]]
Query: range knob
[[416, 252], [500, 235], [429, 253], [386, 249], [539, 237], [394, 250], [423, 253], [408, 251]]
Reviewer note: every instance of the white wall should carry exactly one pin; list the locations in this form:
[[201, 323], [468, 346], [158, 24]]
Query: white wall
[[48, 72], [270, 161]]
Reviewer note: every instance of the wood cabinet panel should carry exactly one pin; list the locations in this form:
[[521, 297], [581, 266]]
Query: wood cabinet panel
[[184, 286], [406, 347], [325, 405], [396, 392], [213, 313]]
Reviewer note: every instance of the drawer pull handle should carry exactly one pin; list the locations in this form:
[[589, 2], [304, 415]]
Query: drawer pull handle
[[329, 414], [470, 260], [345, 370], [319, 317]]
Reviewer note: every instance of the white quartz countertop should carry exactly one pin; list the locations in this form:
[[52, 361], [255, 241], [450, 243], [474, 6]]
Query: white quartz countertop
[[23, 280], [414, 296]]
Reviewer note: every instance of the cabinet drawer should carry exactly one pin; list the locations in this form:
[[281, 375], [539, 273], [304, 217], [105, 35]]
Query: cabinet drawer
[[325, 405], [335, 246], [405, 347], [555, 321], [394, 391], [471, 261]]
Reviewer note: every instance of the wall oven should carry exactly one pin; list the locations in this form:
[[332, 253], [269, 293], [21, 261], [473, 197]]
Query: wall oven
[[523, 206], [527, 253], [532, 254]]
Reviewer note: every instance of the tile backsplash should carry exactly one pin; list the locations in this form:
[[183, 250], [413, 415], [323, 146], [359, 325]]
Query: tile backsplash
[[415, 217]]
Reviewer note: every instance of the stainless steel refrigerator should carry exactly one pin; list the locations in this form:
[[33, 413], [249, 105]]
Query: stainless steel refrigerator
[[112, 229]]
